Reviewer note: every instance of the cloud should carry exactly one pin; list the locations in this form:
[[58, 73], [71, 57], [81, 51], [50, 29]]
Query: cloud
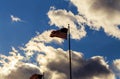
[[23, 71], [13, 67], [9, 62], [101, 14], [81, 68], [97, 14], [116, 65], [54, 63], [39, 41], [15, 19], [57, 16]]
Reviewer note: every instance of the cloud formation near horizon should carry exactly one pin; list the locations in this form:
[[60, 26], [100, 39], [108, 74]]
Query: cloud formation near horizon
[[52, 61], [13, 67]]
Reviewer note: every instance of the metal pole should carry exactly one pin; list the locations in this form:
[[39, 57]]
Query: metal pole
[[43, 75], [69, 51]]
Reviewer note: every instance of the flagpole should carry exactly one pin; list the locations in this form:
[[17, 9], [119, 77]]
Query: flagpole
[[69, 45], [43, 75]]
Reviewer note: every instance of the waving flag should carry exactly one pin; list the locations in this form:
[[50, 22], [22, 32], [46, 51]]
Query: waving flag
[[62, 33], [36, 76]]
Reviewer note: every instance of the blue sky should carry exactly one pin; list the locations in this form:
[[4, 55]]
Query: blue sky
[[19, 33], [33, 15]]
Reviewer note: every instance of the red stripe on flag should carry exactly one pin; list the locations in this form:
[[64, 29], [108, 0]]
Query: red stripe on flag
[[59, 33], [36, 76]]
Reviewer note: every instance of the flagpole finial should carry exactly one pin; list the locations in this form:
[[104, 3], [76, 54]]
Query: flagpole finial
[[68, 24]]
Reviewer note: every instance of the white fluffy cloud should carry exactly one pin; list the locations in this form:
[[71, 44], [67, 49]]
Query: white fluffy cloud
[[101, 14], [15, 19], [54, 62], [13, 67], [38, 42], [62, 18], [116, 65], [96, 14], [23, 71]]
